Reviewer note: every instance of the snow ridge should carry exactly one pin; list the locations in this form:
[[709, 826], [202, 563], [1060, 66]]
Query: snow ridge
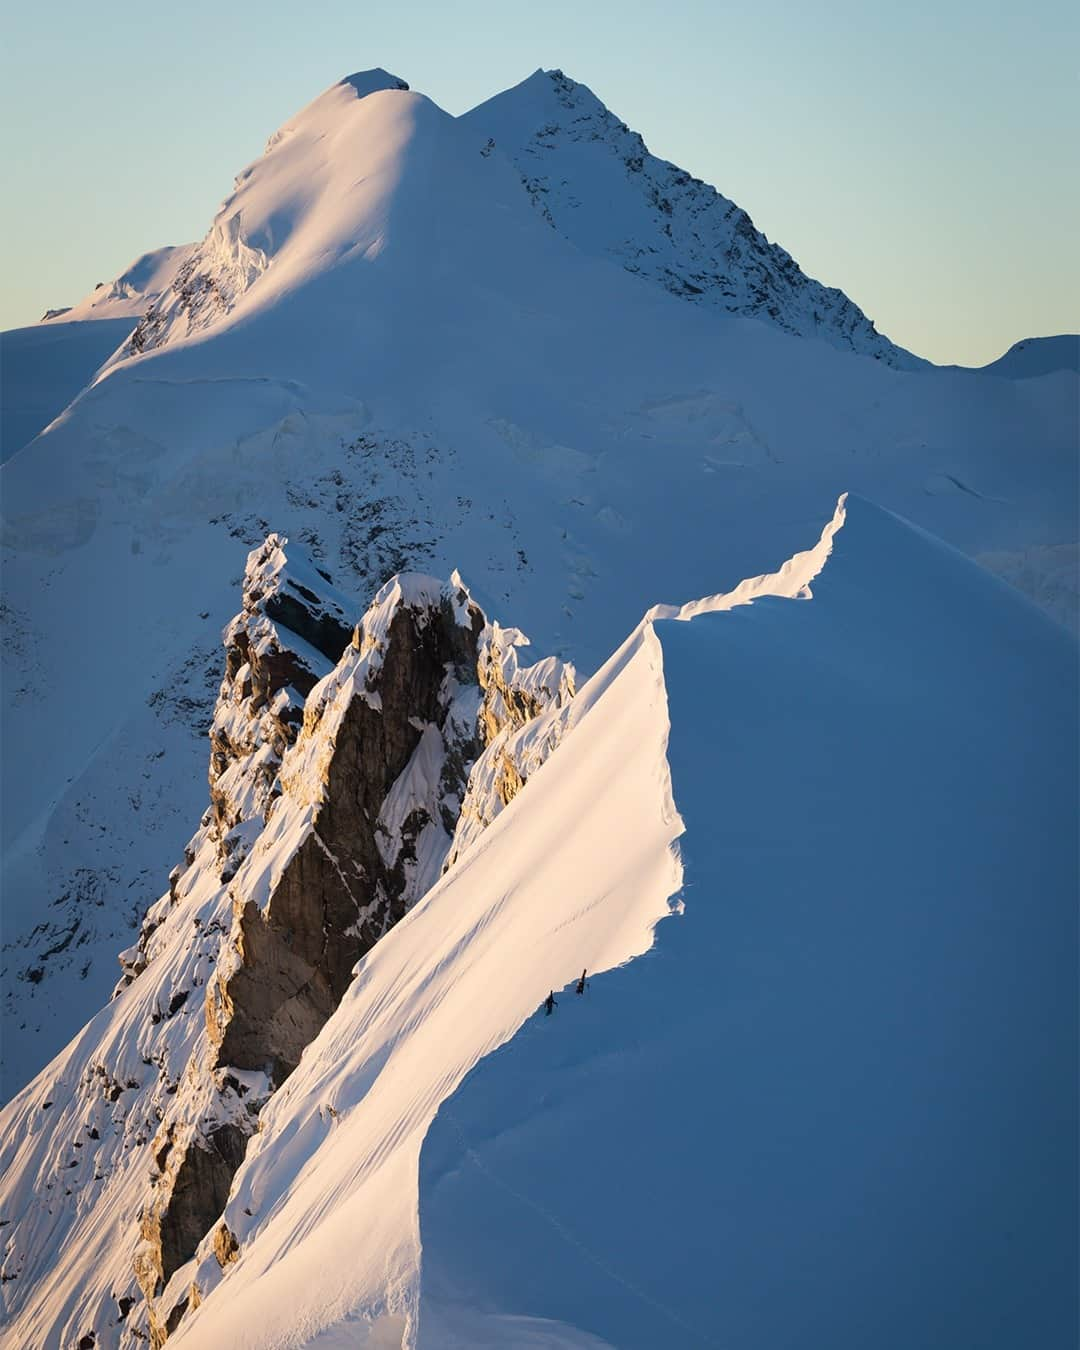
[[338, 1147]]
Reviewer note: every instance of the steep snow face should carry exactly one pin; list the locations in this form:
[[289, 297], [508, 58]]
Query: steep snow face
[[698, 1121], [788, 1125], [130, 294], [292, 208], [474, 392], [576, 870], [594, 181], [390, 1198]]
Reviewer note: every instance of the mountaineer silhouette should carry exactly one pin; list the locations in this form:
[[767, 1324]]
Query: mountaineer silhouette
[[549, 1003], [579, 988]]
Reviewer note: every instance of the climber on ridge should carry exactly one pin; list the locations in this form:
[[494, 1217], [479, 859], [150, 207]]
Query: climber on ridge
[[579, 988], [549, 1003]]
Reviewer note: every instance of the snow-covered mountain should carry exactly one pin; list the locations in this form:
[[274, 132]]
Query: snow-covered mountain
[[420, 373], [592, 178], [129, 295], [841, 1006], [384, 403]]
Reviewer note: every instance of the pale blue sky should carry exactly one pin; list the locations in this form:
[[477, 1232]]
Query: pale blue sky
[[921, 156]]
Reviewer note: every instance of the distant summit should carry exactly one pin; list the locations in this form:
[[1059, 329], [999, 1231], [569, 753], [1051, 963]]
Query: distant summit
[[593, 180]]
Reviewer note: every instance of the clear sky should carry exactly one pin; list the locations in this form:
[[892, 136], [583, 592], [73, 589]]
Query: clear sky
[[919, 155]]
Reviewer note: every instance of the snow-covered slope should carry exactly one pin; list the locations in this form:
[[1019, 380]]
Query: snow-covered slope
[[809, 1087], [384, 352], [1038, 356], [837, 1106], [129, 295], [42, 368], [862, 1003], [592, 178]]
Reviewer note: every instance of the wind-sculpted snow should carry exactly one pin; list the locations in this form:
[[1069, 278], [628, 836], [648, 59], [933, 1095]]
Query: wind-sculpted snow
[[878, 700], [576, 870], [837, 1106]]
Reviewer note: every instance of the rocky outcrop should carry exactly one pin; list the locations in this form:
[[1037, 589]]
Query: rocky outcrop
[[293, 626], [338, 862], [348, 764], [522, 718], [340, 832]]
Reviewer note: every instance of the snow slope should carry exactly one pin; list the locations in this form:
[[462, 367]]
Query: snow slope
[[862, 1003], [129, 295], [811, 1082], [838, 1103], [1038, 356], [384, 351], [594, 181], [43, 368]]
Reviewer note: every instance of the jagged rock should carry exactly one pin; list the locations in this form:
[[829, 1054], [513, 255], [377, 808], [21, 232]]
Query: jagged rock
[[195, 1180], [226, 1247], [293, 626], [347, 879], [342, 770], [519, 727]]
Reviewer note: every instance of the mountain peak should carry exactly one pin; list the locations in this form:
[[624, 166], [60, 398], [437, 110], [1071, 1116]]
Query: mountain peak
[[594, 181], [373, 81]]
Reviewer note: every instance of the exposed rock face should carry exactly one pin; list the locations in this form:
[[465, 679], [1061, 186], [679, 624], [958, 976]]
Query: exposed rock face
[[347, 765], [339, 833], [403, 692], [286, 638], [292, 628], [520, 724]]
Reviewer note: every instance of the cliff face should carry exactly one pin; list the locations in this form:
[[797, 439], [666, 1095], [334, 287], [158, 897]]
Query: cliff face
[[520, 723], [386, 739], [342, 780], [329, 816]]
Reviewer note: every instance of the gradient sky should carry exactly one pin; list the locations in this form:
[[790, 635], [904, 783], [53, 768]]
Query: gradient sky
[[921, 156]]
